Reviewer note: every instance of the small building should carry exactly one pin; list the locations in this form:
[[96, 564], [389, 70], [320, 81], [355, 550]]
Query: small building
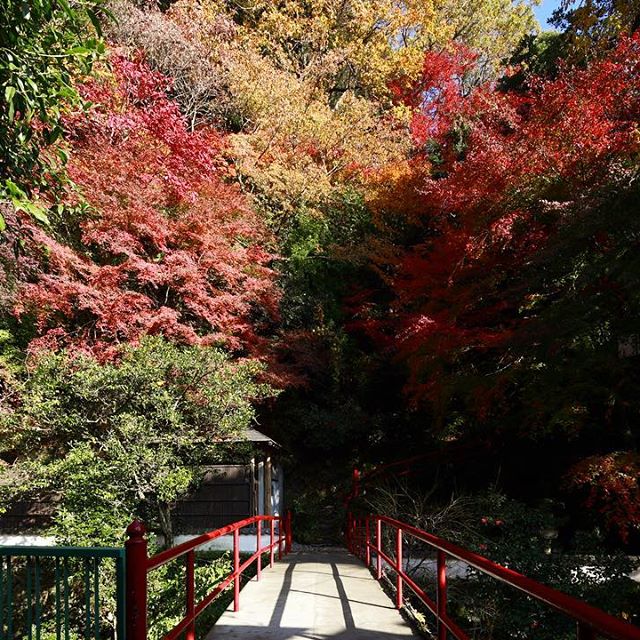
[[228, 493], [231, 492]]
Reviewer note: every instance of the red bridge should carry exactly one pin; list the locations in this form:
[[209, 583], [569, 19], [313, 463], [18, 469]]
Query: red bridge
[[334, 594], [313, 594]]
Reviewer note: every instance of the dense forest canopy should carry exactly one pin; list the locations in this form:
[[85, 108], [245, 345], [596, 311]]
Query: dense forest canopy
[[378, 228]]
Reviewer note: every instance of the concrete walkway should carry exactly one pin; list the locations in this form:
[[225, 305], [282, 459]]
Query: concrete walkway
[[313, 596]]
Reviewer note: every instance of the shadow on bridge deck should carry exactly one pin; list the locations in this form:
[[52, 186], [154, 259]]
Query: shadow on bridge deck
[[313, 596]]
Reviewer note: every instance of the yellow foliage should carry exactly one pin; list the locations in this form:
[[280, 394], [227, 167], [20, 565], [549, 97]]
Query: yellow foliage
[[310, 81], [395, 190], [295, 148], [594, 26], [361, 45]]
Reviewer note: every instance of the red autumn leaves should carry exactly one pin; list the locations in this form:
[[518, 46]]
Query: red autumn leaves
[[169, 247], [508, 169]]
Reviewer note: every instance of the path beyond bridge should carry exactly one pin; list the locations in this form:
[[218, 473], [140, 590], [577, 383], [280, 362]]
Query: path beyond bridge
[[314, 595]]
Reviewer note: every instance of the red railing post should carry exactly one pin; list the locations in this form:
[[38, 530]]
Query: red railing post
[[399, 568], [136, 582], [271, 539], [352, 522], [259, 550], [191, 593], [356, 483], [280, 536], [236, 570], [442, 594], [378, 548], [367, 542], [289, 534], [363, 538], [354, 535]]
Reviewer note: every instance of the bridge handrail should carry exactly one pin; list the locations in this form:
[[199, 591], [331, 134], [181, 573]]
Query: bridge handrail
[[590, 620], [179, 550], [139, 565]]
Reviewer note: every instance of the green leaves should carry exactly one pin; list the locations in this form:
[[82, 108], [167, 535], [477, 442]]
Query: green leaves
[[79, 51], [43, 47], [21, 202], [113, 440], [9, 93], [34, 210]]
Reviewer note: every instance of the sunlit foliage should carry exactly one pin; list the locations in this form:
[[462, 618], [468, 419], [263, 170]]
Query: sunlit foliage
[[163, 245], [44, 48]]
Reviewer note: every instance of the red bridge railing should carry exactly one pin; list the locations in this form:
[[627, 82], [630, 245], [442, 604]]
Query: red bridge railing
[[139, 564], [365, 538]]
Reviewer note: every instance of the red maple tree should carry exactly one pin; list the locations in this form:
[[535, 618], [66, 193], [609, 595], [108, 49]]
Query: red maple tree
[[508, 169], [170, 246]]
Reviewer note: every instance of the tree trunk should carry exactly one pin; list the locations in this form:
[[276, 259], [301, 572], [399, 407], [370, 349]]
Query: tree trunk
[[164, 512]]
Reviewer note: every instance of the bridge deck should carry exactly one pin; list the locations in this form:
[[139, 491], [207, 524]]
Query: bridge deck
[[313, 596]]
